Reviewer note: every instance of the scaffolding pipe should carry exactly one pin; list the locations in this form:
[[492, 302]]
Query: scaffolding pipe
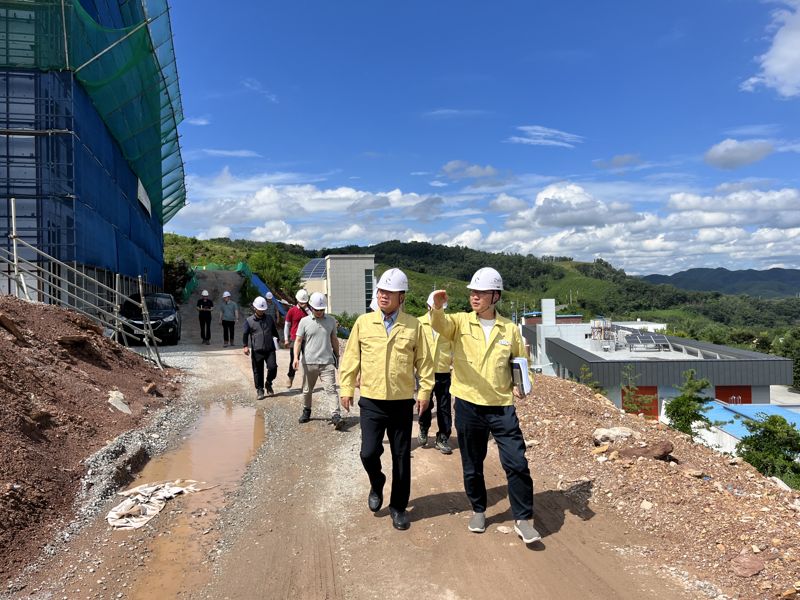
[[18, 278], [119, 41]]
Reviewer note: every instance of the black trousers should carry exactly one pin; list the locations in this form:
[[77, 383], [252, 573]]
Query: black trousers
[[473, 425], [227, 331], [258, 358], [205, 326], [444, 415], [393, 417], [292, 370]]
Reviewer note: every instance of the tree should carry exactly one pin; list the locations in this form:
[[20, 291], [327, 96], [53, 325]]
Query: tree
[[586, 378], [772, 447], [632, 401], [689, 407], [788, 345]]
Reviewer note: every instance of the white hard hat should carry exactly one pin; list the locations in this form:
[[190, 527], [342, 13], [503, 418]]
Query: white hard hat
[[259, 303], [204, 293], [393, 280], [486, 279], [318, 301], [226, 294], [302, 296], [269, 296], [430, 301]]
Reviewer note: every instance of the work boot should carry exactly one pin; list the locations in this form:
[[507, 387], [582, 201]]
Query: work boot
[[399, 519], [423, 436], [270, 391], [477, 523], [337, 421], [374, 500], [442, 445], [306, 416], [525, 530], [260, 394]]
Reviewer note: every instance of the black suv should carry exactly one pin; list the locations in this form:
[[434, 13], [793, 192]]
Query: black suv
[[165, 319]]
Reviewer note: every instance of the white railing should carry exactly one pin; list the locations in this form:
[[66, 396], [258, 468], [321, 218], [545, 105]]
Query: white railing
[[76, 293]]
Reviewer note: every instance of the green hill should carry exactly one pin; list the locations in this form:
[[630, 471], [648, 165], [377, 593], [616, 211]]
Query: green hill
[[770, 283]]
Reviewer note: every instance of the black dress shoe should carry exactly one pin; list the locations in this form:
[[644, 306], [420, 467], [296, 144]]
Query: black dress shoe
[[374, 501], [399, 519]]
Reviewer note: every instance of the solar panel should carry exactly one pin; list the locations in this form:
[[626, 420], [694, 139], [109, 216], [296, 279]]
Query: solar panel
[[656, 339], [314, 269]]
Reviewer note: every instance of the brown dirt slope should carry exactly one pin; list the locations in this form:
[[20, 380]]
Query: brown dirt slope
[[718, 518], [56, 370]]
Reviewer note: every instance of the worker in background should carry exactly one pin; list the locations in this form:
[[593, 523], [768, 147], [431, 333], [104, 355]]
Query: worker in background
[[385, 347], [316, 341], [484, 343], [293, 316], [228, 316], [441, 351], [258, 339], [204, 307], [272, 308]]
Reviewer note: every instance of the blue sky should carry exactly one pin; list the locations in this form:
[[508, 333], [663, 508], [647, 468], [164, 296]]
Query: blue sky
[[657, 136]]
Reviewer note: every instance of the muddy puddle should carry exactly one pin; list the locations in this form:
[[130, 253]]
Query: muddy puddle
[[225, 439]]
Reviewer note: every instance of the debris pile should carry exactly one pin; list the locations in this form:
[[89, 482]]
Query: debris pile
[[716, 516], [57, 373]]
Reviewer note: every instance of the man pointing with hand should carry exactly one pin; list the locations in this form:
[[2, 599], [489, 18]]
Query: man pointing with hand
[[484, 343], [384, 349]]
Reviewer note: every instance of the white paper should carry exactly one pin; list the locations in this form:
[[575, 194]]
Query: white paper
[[277, 343], [519, 373]]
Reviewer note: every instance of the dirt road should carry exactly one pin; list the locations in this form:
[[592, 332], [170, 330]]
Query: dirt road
[[288, 518]]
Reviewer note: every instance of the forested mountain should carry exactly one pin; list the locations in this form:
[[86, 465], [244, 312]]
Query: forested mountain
[[771, 283]]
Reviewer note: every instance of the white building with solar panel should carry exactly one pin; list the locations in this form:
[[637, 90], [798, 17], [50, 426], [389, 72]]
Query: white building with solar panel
[[348, 280], [656, 361]]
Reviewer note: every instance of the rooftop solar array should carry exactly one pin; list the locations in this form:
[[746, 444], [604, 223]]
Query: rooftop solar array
[[314, 269], [647, 338]]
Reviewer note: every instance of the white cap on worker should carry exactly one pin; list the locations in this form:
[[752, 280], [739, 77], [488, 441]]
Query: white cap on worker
[[259, 303], [430, 301], [486, 279], [204, 293], [318, 301], [393, 280], [226, 294], [269, 296], [302, 296]]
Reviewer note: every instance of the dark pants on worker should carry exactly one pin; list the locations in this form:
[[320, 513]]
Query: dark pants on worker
[[205, 326], [227, 331], [444, 416], [393, 417], [258, 358], [474, 422], [292, 370]]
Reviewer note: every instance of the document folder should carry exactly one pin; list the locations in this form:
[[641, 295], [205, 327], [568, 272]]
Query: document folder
[[519, 373]]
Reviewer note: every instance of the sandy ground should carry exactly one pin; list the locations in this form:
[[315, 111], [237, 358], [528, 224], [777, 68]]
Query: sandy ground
[[288, 518]]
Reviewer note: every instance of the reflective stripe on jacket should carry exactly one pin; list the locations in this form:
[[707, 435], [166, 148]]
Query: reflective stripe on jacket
[[386, 363], [441, 348], [481, 371]]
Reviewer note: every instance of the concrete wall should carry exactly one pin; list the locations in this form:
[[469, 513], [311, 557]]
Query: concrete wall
[[346, 283]]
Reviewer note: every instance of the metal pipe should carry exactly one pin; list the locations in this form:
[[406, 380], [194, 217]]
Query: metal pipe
[[18, 278], [64, 27], [119, 41]]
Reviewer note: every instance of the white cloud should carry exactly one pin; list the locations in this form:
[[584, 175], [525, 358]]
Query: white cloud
[[761, 130], [780, 65], [537, 135], [732, 154], [506, 203], [453, 113], [215, 231], [437, 184], [231, 153], [460, 169], [570, 205], [420, 173], [620, 161], [198, 121], [254, 85]]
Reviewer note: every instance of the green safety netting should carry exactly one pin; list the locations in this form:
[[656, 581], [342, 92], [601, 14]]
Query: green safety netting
[[129, 72]]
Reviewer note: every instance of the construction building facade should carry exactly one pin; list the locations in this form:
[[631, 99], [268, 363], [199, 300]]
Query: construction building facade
[[89, 151], [348, 280]]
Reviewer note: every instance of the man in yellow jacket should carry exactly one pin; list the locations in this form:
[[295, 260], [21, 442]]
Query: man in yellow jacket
[[384, 349], [442, 353], [484, 343]]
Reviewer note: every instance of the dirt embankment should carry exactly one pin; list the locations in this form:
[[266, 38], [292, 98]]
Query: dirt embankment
[[56, 372]]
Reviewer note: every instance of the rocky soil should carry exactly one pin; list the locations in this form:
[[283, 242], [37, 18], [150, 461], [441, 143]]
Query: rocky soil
[[719, 520]]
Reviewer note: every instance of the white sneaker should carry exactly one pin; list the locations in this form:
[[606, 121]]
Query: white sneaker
[[525, 530], [477, 523]]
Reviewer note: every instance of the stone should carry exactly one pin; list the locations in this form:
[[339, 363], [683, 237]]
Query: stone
[[657, 450], [747, 565], [646, 505], [504, 529], [601, 449], [117, 400], [601, 435], [152, 389], [780, 484]]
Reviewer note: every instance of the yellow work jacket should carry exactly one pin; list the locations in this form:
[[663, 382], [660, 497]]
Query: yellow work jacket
[[481, 371], [386, 362], [441, 348]]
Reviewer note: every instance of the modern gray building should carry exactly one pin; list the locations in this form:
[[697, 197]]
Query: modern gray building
[[616, 355], [346, 279]]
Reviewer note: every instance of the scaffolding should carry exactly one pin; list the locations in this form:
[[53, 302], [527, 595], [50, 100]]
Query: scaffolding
[[126, 65]]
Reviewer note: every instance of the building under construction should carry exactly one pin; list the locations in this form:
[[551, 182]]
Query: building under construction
[[90, 164]]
